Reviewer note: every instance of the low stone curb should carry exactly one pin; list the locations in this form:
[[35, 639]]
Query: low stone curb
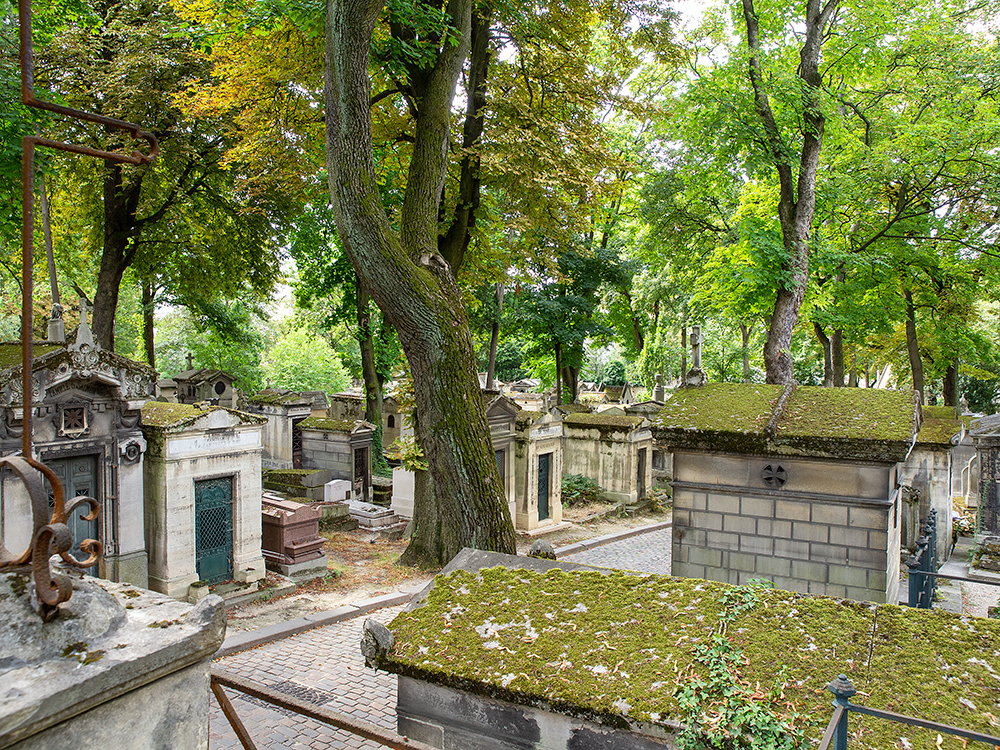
[[253, 595], [244, 640], [598, 541]]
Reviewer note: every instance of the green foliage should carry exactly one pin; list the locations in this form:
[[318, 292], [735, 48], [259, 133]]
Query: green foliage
[[580, 490], [614, 373], [508, 362], [300, 360], [720, 709]]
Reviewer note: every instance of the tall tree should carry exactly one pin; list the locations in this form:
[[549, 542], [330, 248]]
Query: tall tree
[[410, 281]]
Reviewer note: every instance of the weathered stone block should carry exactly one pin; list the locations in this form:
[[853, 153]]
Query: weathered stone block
[[682, 517], [848, 537], [706, 520], [809, 571], [757, 506], [810, 532], [878, 539], [706, 557], [742, 562], [866, 558], [846, 576], [722, 540], [834, 589], [792, 510], [869, 518], [865, 595], [774, 528], [791, 549], [740, 524], [828, 553], [757, 545], [828, 514], [724, 503], [876, 580], [774, 566]]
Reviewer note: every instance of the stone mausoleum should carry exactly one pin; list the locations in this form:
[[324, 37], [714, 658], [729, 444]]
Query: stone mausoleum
[[86, 429], [795, 484], [202, 496]]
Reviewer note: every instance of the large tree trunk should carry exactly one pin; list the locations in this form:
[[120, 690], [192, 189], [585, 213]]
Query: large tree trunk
[[797, 201], [411, 283], [494, 339], [557, 347], [837, 355], [745, 339], [369, 371], [148, 307], [916, 364], [824, 342], [121, 199], [950, 385]]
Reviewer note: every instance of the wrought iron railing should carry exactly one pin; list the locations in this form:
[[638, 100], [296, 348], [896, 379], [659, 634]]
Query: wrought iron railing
[[221, 679], [836, 735], [921, 585]]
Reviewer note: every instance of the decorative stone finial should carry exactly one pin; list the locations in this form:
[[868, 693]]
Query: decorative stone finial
[[842, 688], [658, 388], [695, 376], [84, 336]]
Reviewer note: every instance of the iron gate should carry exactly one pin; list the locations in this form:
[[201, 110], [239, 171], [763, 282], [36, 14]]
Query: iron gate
[[544, 483], [213, 529], [989, 481]]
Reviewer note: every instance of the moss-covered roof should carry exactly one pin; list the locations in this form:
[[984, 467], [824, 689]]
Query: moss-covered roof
[[618, 648], [526, 417], [940, 424], [10, 351], [165, 415], [325, 424], [851, 423], [602, 421]]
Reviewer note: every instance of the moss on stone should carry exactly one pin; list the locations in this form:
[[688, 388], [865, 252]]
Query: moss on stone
[[603, 422], [10, 352], [616, 647], [324, 424], [849, 413], [272, 397], [164, 414], [720, 407], [525, 417]]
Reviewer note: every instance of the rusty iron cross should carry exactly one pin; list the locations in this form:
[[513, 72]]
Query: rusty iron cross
[[50, 534]]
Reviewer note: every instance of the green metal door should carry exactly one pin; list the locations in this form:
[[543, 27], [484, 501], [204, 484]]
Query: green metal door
[[544, 467], [213, 529], [78, 476]]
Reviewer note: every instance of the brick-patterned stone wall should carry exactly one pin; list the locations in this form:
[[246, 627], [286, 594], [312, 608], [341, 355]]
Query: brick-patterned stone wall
[[832, 528]]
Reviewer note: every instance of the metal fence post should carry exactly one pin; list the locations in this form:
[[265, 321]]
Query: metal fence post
[[913, 581], [843, 690], [932, 531]]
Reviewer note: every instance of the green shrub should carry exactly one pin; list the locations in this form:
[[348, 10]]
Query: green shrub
[[580, 490]]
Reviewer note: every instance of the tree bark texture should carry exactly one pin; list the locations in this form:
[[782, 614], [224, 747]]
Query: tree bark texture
[[916, 364], [950, 385], [412, 284], [797, 201], [369, 371], [148, 307], [824, 342], [745, 339], [837, 355]]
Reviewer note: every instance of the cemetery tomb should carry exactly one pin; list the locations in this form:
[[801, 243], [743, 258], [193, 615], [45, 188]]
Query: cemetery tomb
[[290, 540], [281, 436], [203, 496], [501, 414], [505, 652], [343, 447], [986, 433], [927, 473], [538, 470], [86, 429], [214, 386], [613, 450], [795, 484]]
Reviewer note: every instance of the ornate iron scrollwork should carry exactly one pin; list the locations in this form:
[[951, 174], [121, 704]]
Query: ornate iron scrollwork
[[50, 535]]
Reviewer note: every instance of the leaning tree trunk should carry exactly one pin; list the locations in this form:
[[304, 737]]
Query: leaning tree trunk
[[148, 328], [411, 283], [950, 385], [837, 355], [745, 342], [369, 372]]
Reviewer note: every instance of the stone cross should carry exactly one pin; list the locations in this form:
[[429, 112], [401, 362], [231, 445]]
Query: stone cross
[[695, 376], [696, 340], [190, 360]]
